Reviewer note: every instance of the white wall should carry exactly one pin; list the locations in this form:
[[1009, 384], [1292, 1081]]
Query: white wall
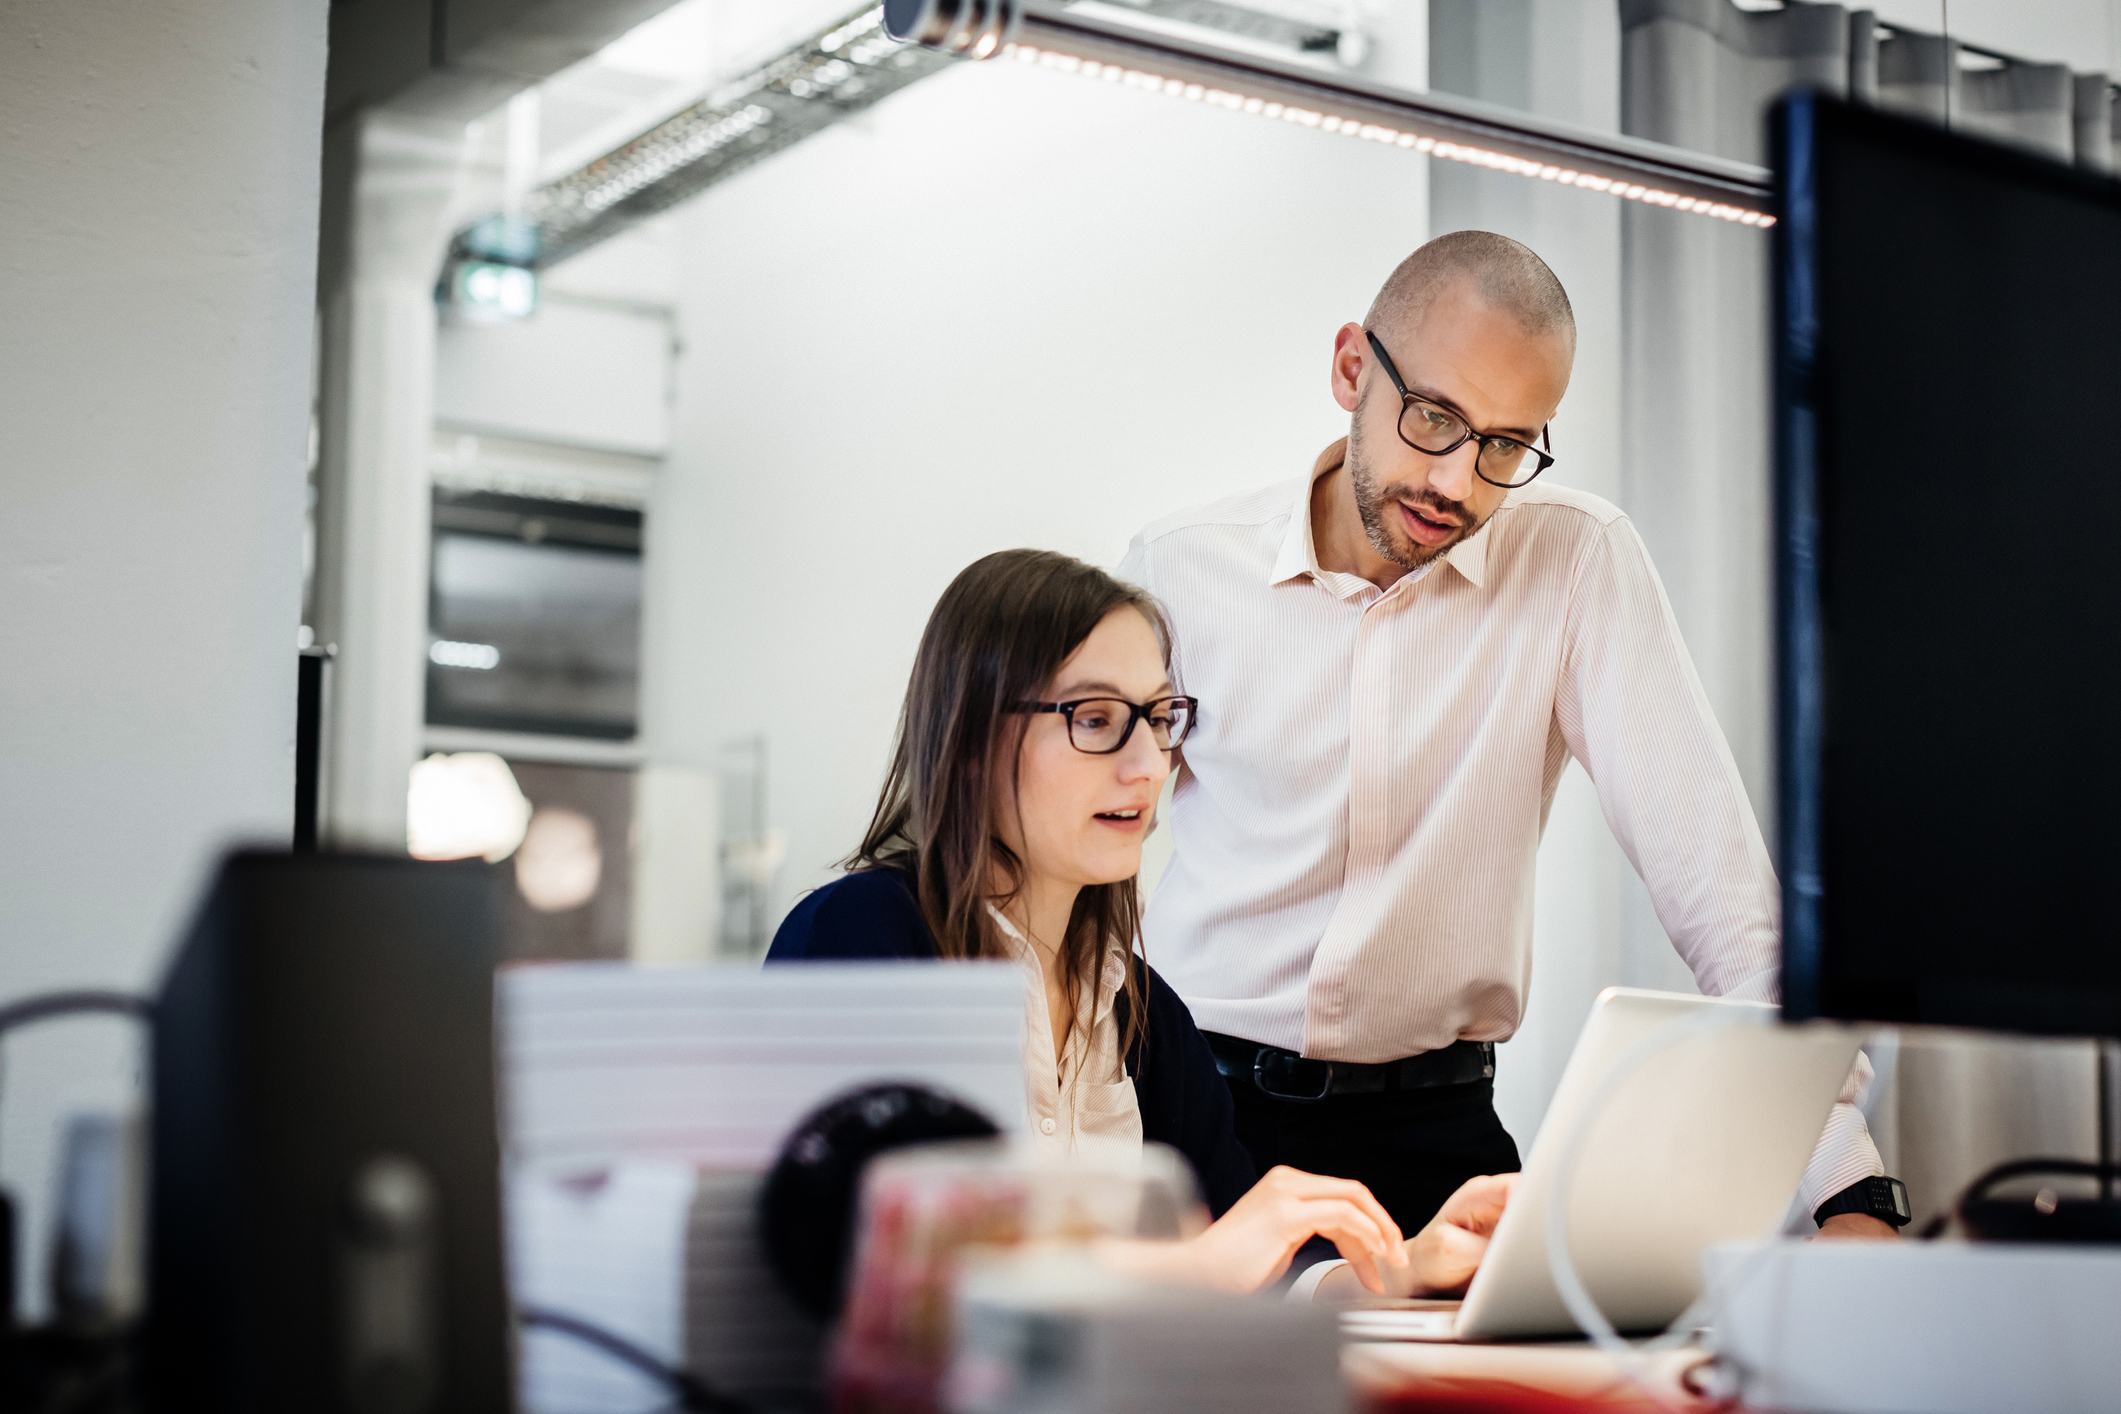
[[1007, 307], [157, 262], [582, 372]]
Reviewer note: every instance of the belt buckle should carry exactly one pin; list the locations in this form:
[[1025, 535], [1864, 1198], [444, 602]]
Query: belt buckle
[[1259, 1078]]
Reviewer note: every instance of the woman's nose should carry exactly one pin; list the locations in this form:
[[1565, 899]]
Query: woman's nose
[[1142, 759]]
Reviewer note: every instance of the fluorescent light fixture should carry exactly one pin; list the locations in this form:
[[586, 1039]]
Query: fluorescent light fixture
[[480, 657]]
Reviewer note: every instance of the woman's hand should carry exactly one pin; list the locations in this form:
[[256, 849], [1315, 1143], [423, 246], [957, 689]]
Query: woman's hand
[[1251, 1244], [1443, 1256]]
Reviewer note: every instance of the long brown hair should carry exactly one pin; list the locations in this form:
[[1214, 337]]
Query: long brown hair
[[997, 637]]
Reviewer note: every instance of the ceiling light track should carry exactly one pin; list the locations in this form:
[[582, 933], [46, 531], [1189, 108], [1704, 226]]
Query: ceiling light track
[[835, 73]]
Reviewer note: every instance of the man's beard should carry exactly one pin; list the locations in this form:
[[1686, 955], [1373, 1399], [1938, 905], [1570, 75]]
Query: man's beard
[[1372, 504]]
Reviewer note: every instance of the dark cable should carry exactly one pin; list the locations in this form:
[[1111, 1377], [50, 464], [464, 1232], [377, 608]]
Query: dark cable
[[1951, 60], [76, 1003], [692, 1392], [71, 1004]]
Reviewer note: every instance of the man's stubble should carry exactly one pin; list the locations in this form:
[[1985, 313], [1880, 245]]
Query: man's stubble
[[1371, 502]]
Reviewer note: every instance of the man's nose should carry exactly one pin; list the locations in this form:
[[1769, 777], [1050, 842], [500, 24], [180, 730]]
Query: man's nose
[[1452, 475]]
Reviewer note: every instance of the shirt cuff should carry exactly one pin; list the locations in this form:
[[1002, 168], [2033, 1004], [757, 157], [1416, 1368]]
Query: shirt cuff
[[1845, 1155], [1305, 1287]]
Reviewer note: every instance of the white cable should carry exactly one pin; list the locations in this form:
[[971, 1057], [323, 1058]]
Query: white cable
[[1567, 1281]]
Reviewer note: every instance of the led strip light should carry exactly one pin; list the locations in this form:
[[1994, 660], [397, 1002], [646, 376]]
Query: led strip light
[[1392, 136], [1437, 125]]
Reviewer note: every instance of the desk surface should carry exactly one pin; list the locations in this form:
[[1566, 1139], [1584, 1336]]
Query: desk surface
[[1521, 1378]]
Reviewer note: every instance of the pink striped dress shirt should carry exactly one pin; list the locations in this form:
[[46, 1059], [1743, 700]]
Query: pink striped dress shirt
[[1358, 810]]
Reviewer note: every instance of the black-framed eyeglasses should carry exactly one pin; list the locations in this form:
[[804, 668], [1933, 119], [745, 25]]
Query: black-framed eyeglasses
[[1437, 430], [1099, 726]]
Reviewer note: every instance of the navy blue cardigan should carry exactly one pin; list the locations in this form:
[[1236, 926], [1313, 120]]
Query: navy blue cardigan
[[1184, 1102]]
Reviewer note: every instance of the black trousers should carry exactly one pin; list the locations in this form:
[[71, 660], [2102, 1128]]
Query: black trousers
[[1412, 1148]]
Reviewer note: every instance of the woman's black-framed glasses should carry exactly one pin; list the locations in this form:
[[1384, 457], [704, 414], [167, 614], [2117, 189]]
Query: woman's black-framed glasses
[[1437, 430], [1099, 726]]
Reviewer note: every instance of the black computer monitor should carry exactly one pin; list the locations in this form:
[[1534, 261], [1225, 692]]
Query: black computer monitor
[[325, 1228], [1948, 561]]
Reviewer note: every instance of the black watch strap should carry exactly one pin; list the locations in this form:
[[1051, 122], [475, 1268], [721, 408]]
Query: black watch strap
[[1882, 1198]]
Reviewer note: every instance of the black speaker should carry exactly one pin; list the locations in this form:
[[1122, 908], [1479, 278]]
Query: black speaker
[[325, 1229]]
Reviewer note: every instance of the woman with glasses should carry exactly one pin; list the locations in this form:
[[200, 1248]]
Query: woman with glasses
[[1035, 738]]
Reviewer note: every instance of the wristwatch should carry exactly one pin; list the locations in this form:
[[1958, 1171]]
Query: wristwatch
[[1882, 1198]]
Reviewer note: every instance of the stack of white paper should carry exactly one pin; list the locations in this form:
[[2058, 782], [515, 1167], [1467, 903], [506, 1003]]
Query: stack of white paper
[[714, 1065], [641, 1108]]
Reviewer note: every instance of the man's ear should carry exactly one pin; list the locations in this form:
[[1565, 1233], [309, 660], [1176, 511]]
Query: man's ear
[[1351, 355]]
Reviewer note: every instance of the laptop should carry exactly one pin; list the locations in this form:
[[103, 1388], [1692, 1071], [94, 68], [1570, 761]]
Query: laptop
[[1704, 1143]]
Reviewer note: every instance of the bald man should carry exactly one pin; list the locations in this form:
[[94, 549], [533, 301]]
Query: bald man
[[1396, 655]]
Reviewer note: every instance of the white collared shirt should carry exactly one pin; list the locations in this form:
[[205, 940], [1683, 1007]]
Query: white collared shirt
[[1095, 1113], [1358, 809]]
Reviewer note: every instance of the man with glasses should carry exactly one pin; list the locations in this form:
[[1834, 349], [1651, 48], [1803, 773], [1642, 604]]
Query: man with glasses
[[1397, 656]]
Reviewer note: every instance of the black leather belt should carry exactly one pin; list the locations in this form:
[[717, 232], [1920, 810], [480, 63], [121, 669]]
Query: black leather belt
[[1285, 1075]]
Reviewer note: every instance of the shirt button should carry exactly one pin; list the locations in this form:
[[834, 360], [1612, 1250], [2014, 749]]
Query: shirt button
[[1046, 1125]]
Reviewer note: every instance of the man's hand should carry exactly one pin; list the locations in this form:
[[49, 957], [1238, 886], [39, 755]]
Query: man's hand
[[1447, 1252], [1856, 1227]]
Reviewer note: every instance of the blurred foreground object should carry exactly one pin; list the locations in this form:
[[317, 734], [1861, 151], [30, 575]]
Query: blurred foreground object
[[1047, 1330], [1520, 1377], [715, 1065], [325, 1216], [923, 1209], [1919, 1327], [605, 1246], [96, 1258], [83, 1360], [806, 1213], [643, 1108]]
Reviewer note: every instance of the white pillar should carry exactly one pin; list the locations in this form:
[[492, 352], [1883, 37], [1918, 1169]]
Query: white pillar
[[158, 241], [374, 510]]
